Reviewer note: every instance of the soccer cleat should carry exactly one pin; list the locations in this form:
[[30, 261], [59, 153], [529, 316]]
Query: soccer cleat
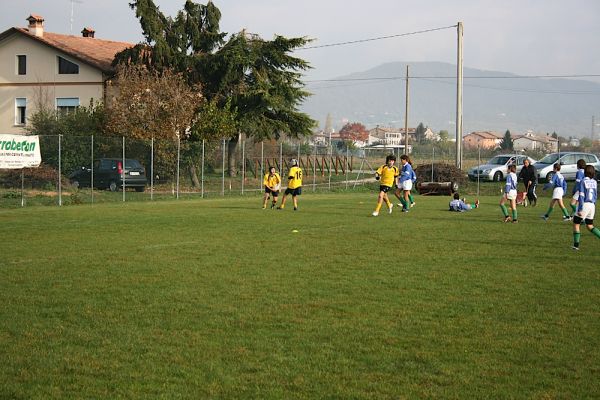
[[413, 204], [565, 219], [405, 210], [544, 217], [272, 206], [399, 205], [375, 213], [515, 221], [477, 203], [280, 208], [390, 208], [507, 219], [576, 248], [295, 208], [264, 207]]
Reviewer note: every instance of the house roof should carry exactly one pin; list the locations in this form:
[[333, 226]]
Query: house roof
[[98, 53], [486, 135]]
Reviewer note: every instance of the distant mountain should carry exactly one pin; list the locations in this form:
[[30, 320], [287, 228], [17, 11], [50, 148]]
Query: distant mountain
[[503, 102]]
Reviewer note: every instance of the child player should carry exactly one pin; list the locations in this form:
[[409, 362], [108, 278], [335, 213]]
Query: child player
[[510, 194], [272, 182], [294, 185], [405, 181], [588, 193], [559, 186], [386, 175], [459, 205], [578, 178]]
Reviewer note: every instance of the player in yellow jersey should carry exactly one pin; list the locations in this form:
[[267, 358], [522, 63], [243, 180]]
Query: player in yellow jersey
[[294, 185], [272, 182], [386, 175]]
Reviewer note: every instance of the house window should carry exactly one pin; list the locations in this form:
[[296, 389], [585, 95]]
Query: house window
[[22, 65], [66, 105], [20, 111], [67, 67]]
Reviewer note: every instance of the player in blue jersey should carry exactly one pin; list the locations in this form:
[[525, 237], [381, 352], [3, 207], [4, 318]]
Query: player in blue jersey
[[459, 205], [510, 194], [578, 178], [588, 194], [559, 187], [405, 183]]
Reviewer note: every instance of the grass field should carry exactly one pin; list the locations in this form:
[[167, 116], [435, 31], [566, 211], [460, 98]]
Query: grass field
[[217, 298]]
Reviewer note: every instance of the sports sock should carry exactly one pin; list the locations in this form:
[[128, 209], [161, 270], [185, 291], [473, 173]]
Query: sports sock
[[550, 209], [576, 237], [388, 203], [514, 214], [378, 207], [473, 205], [403, 202], [504, 210], [574, 208], [596, 232], [565, 212], [411, 198]]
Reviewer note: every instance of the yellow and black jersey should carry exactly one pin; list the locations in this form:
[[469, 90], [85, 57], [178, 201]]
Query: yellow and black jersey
[[294, 178], [388, 175], [272, 181]]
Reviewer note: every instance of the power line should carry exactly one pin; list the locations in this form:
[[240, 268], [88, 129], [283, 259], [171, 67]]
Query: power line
[[376, 38], [454, 77]]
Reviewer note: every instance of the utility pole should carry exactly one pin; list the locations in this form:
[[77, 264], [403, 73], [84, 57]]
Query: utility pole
[[459, 95], [593, 125], [406, 116]]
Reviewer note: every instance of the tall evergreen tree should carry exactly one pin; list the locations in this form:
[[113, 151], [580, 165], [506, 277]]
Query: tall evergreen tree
[[506, 143], [255, 80]]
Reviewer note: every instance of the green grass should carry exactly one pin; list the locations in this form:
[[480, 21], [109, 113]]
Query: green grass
[[217, 298]]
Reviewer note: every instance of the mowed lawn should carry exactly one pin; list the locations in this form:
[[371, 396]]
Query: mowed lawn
[[217, 298]]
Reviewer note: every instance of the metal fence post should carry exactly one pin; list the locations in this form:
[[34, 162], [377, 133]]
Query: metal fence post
[[178, 156], [59, 170], [243, 164], [223, 173], [202, 172], [123, 169], [262, 163], [22, 187], [152, 168], [315, 168], [92, 170]]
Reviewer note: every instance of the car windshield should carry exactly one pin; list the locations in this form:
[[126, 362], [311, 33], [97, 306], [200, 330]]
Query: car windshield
[[549, 159], [499, 160]]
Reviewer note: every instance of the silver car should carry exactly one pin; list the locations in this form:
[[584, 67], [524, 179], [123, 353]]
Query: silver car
[[568, 164], [497, 167]]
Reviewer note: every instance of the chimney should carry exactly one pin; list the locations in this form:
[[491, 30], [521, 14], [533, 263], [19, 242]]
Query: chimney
[[88, 32], [36, 25]]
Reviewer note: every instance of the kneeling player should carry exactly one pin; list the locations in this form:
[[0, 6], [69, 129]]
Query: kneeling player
[[272, 182]]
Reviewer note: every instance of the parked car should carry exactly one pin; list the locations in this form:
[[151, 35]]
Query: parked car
[[110, 174], [568, 164], [497, 167]]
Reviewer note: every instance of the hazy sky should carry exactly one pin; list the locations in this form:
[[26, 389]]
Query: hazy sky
[[535, 37]]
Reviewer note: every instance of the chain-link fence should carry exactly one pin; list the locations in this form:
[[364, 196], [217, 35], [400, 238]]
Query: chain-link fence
[[88, 169]]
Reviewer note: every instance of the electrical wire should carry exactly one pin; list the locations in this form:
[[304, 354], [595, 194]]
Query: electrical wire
[[376, 38]]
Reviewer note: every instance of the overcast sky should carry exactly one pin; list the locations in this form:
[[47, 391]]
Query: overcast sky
[[535, 37]]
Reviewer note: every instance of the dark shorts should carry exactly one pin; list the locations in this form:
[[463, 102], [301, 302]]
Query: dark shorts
[[294, 192], [275, 193], [384, 189], [578, 220]]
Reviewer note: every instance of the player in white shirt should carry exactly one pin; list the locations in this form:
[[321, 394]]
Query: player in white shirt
[[510, 194], [559, 187], [588, 194]]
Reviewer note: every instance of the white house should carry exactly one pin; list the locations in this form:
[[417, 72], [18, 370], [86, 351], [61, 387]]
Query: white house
[[63, 71], [531, 141]]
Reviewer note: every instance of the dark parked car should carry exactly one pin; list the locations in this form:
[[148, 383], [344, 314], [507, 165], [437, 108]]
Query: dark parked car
[[110, 174]]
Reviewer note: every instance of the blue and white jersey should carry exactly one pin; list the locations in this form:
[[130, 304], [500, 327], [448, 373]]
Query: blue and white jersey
[[579, 176], [458, 205], [511, 182], [407, 173], [413, 176], [558, 181], [588, 192]]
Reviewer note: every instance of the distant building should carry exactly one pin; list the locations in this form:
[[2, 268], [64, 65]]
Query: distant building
[[532, 142], [39, 67], [482, 139]]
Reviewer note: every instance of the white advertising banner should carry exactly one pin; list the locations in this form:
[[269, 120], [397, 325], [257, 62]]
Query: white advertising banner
[[18, 151]]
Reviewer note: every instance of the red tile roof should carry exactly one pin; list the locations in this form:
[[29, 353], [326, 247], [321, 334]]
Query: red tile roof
[[95, 52]]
